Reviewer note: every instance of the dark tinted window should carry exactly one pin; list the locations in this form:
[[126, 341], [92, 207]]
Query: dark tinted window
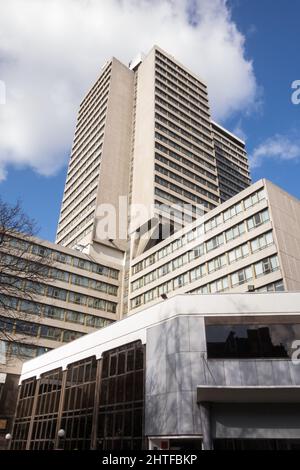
[[251, 341]]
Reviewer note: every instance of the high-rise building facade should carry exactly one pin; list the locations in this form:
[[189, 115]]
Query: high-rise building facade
[[144, 132], [232, 162], [98, 170], [250, 242]]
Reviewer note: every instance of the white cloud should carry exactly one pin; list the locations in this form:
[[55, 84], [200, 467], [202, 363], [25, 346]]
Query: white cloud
[[52, 50], [279, 147]]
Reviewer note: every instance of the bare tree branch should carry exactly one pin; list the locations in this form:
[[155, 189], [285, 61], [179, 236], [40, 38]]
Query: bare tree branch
[[25, 268]]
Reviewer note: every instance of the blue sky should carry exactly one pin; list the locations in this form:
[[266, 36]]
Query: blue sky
[[271, 123]]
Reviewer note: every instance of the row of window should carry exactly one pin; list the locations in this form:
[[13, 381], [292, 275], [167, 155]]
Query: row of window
[[231, 175], [180, 85], [80, 236], [187, 122], [94, 123], [91, 99], [65, 276], [71, 260], [180, 202], [29, 307], [94, 132], [179, 98], [186, 182], [74, 172], [182, 131], [12, 326], [190, 164], [85, 118], [60, 294], [185, 171], [214, 264], [238, 156], [161, 96], [83, 281], [214, 242], [9, 349], [70, 220], [85, 178], [187, 143], [180, 72], [179, 148], [222, 284], [232, 168], [231, 140], [183, 192], [86, 146], [89, 191], [180, 110], [84, 222]]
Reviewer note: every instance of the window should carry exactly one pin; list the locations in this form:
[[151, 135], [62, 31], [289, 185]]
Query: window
[[277, 286], [76, 298], [196, 252], [40, 250], [232, 211], [137, 284], [266, 266], [238, 253], [214, 242], [262, 242], [258, 219], [165, 288], [163, 270], [35, 287], [26, 328], [138, 267], [216, 263], [81, 263], [6, 326], [180, 281], [71, 335], [57, 293], [62, 258], [30, 307], [150, 295], [79, 280], [219, 286], [149, 278], [54, 312], [235, 232], [60, 275], [136, 302], [197, 273], [213, 223], [254, 199], [242, 341], [241, 276], [75, 317], [51, 333], [164, 252], [201, 290], [122, 398]]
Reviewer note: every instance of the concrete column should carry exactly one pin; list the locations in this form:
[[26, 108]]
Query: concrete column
[[206, 425]]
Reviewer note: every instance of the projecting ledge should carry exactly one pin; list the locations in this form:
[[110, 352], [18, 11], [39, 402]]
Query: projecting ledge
[[248, 394]]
